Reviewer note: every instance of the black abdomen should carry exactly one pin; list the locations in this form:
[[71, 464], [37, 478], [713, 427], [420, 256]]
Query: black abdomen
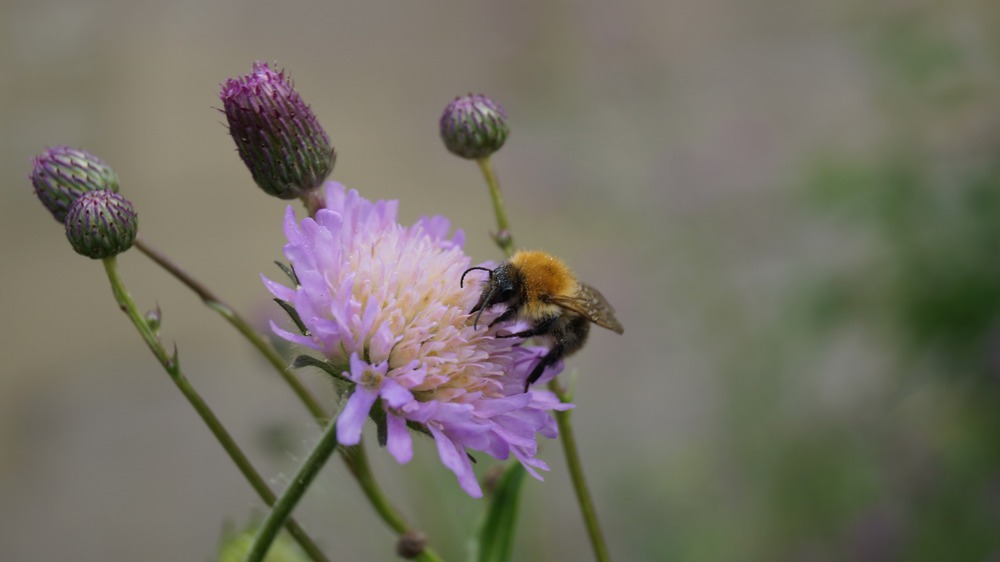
[[570, 332]]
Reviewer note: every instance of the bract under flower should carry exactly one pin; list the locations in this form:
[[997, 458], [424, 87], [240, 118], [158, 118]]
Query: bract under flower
[[382, 302]]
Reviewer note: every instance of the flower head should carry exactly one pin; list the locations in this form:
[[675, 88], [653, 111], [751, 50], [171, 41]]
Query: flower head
[[61, 174], [473, 126], [277, 135], [382, 302], [101, 224]]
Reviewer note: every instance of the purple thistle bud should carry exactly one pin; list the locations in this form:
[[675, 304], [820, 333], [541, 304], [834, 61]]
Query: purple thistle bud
[[474, 126], [61, 174], [101, 224], [276, 133]]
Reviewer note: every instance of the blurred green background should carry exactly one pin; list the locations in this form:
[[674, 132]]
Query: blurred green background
[[794, 206]]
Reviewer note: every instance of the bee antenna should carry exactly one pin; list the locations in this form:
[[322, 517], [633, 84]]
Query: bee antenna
[[461, 282]]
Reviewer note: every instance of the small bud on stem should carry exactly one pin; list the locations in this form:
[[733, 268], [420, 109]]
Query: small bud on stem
[[473, 126], [101, 224], [411, 544], [61, 174], [276, 133]]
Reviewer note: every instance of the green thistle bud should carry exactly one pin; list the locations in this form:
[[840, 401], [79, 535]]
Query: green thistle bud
[[61, 174], [101, 224], [474, 126], [276, 133]]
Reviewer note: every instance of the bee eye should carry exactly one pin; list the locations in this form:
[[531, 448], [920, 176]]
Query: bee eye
[[504, 295]]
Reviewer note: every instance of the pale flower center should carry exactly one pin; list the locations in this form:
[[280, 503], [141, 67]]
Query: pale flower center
[[371, 380]]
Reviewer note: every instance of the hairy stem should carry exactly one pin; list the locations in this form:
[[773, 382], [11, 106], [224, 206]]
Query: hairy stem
[[282, 509], [241, 325], [503, 237], [505, 241], [358, 469], [172, 367], [583, 498], [357, 463]]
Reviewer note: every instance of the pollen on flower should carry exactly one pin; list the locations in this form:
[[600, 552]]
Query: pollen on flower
[[384, 300], [370, 379]]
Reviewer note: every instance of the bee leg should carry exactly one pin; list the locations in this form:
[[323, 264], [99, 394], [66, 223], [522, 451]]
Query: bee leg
[[505, 316], [539, 329], [550, 358]]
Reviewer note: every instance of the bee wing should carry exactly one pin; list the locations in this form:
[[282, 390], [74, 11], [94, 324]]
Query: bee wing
[[589, 302]]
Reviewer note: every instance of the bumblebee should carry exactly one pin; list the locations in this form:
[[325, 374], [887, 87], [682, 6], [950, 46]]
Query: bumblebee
[[540, 289]]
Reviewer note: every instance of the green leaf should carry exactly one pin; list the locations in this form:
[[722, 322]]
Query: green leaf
[[418, 427], [294, 315], [496, 536], [325, 366], [175, 359], [377, 415], [289, 270]]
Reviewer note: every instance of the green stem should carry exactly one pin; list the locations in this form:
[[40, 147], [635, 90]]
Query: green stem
[[353, 457], [314, 200], [503, 236], [357, 462], [172, 367], [241, 325], [505, 241], [583, 498], [282, 509]]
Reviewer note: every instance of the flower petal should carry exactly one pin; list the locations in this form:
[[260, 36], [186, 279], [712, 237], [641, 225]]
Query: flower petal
[[352, 417], [394, 394], [454, 457], [399, 443]]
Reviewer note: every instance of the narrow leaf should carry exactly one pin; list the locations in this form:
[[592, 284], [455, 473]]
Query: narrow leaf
[[175, 360], [418, 427], [377, 415], [496, 537], [294, 315], [289, 270], [325, 366]]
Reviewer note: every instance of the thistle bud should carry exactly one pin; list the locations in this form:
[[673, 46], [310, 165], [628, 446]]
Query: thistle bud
[[474, 126], [61, 174], [276, 133], [101, 224]]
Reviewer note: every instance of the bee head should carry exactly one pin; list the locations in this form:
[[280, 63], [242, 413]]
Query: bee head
[[499, 288]]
